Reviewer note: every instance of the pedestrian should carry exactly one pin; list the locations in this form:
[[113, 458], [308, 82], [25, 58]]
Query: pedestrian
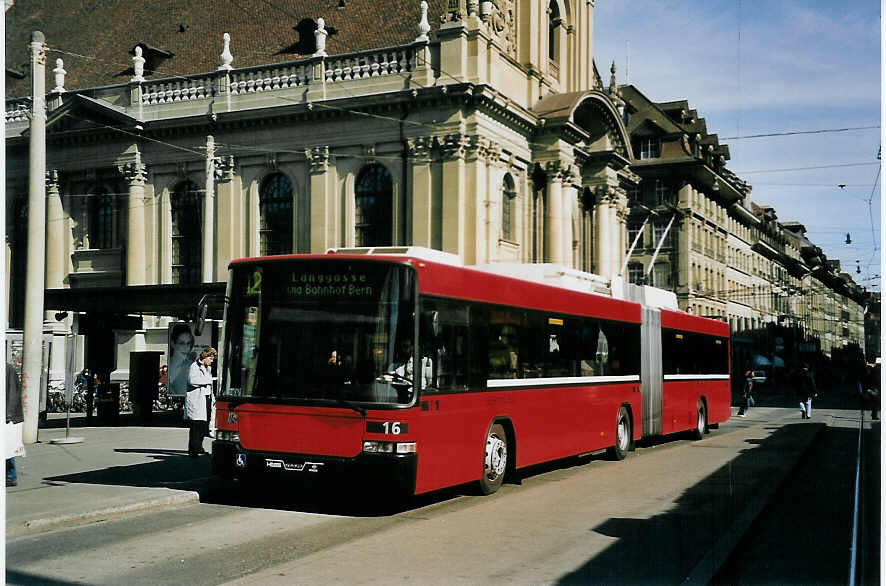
[[746, 394], [869, 389], [199, 401], [14, 419], [87, 383], [807, 390]]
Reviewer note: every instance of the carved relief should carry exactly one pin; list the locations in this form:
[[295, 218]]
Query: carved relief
[[318, 158], [134, 172], [420, 147], [502, 26], [224, 168], [454, 145]]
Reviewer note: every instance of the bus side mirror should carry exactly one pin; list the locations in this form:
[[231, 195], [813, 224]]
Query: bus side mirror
[[209, 302], [200, 318]]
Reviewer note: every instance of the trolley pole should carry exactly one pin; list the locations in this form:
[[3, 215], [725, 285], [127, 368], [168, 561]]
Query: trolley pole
[[32, 354]]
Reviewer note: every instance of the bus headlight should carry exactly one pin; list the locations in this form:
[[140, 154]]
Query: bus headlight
[[376, 447], [227, 436]]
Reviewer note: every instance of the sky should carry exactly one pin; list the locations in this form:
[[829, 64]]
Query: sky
[[754, 67]]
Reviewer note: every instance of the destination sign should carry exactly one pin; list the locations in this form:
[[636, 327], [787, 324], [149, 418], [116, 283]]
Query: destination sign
[[325, 284]]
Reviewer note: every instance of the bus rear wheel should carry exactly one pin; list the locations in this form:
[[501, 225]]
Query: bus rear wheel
[[622, 436], [701, 421], [495, 459]]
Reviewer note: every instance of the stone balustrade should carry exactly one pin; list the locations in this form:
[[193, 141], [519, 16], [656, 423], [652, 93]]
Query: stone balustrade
[[303, 72], [367, 64], [269, 78], [177, 90], [17, 109]]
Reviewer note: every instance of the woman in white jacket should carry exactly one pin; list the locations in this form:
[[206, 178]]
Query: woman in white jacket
[[199, 400]]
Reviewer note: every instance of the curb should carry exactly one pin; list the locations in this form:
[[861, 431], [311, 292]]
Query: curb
[[76, 519], [711, 563]]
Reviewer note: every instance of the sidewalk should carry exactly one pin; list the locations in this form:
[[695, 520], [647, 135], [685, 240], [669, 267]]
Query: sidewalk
[[113, 471]]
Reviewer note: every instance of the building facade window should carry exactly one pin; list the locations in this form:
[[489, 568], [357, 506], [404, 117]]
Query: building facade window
[[102, 219], [373, 207], [633, 230], [275, 211], [662, 192], [187, 233], [508, 201], [553, 31], [650, 148], [635, 273], [659, 231]]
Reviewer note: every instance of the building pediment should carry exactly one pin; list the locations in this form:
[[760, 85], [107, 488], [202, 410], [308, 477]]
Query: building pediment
[[589, 117], [82, 113]]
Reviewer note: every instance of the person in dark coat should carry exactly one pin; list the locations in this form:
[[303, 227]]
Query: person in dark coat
[[808, 391], [14, 415]]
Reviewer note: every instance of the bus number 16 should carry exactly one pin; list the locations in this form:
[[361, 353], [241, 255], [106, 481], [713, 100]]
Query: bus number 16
[[392, 427]]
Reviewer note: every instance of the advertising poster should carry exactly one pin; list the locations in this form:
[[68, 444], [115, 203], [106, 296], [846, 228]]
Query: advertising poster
[[184, 347]]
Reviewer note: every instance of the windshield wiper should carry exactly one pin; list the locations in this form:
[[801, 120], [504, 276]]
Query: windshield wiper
[[358, 408]]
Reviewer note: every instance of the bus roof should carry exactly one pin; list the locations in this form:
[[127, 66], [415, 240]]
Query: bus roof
[[524, 284]]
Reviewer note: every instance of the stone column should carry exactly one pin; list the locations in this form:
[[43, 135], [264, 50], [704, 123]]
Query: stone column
[[230, 232], [324, 228], [55, 233], [454, 147], [476, 200], [570, 213], [32, 352], [554, 218], [604, 230], [425, 214], [136, 176]]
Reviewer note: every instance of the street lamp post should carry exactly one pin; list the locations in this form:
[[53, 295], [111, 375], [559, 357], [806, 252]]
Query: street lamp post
[[32, 352]]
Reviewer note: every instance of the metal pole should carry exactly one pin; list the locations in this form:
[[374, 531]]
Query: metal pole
[[624, 265], [658, 247], [209, 214], [32, 353]]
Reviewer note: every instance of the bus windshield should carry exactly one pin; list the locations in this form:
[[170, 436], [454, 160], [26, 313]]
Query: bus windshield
[[320, 332]]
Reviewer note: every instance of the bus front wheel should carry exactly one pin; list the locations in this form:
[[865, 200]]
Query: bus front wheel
[[622, 436], [495, 460]]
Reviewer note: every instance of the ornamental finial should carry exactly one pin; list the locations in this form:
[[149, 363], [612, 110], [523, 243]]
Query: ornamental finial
[[424, 26], [320, 37], [226, 56], [138, 65], [59, 72]]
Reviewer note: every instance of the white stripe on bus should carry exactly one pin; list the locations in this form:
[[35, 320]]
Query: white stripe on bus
[[559, 380]]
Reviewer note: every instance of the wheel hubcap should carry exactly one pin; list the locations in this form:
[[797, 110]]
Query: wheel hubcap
[[622, 434], [701, 420], [496, 457]]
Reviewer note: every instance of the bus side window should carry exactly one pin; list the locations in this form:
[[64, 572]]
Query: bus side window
[[449, 349]]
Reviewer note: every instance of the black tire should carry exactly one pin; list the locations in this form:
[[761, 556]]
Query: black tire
[[701, 421], [623, 435], [495, 459]]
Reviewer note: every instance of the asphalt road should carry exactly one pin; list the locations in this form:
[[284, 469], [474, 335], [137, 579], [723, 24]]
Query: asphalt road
[[648, 519], [804, 534]]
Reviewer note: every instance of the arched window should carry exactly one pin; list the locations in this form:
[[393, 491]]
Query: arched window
[[508, 201], [187, 233], [553, 30], [373, 207], [275, 203], [102, 219]]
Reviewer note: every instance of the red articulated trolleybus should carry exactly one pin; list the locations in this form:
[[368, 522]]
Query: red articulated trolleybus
[[403, 366]]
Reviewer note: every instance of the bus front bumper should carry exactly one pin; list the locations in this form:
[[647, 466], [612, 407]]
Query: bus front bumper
[[230, 460]]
